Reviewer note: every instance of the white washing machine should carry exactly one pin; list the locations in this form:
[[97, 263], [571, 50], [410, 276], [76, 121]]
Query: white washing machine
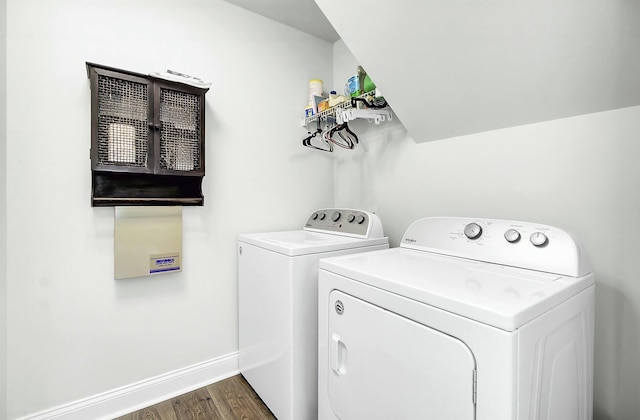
[[278, 304], [467, 319]]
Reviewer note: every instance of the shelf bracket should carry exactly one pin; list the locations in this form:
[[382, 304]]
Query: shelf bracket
[[372, 115]]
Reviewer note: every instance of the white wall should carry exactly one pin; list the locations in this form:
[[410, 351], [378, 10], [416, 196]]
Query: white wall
[[73, 331], [3, 210], [579, 173]]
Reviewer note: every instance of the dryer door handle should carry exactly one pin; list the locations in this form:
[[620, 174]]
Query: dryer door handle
[[338, 355]]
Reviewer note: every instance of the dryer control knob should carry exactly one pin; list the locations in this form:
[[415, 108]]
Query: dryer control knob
[[335, 216], [539, 239], [351, 218], [473, 231], [512, 236], [314, 216], [322, 216], [360, 219]]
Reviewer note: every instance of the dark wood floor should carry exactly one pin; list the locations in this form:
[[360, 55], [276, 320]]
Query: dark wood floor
[[230, 399]]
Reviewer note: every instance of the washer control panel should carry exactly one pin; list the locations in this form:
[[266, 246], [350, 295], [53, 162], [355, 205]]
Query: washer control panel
[[348, 222], [517, 244]]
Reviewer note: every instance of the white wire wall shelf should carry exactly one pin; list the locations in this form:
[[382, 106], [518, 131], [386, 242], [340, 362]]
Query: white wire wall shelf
[[345, 111]]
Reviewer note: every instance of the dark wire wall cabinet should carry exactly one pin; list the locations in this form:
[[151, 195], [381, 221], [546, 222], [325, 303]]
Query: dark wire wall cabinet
[[147, 139]]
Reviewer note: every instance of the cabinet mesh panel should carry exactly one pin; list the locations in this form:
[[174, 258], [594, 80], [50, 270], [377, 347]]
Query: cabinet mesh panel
[[179, 131], [123, 126]]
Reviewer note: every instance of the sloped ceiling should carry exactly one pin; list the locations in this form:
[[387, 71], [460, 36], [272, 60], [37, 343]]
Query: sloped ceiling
[[304, 15], [451, 68]]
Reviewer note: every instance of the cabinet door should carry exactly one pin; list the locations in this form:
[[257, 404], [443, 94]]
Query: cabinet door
[[384, 366], [121, 136], [179, 116]]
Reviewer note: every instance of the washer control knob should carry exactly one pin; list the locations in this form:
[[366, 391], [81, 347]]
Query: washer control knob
[[314, 216], [512, 236], [360, 219], [322, 216], [539, 239], [335, 216], [351, 218], [473, 231]]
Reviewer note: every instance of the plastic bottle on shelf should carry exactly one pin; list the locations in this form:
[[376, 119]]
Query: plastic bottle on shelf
[[368, 84], [361, 76], [315, 87], [308, 112], [335, 99], [316, 90], [356, 84], [352, 89]]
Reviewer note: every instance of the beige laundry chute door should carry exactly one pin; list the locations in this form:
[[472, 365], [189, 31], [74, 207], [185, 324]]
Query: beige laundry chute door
[[385, 366], [147, 241]]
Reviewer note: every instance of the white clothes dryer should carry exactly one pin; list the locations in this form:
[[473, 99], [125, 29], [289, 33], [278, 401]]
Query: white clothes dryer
[[469, 319], [278, 304]]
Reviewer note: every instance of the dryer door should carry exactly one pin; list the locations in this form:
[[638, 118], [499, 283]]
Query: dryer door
[[385, 366]]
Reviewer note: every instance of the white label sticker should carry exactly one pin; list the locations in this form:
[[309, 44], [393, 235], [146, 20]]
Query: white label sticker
[[161, 263]]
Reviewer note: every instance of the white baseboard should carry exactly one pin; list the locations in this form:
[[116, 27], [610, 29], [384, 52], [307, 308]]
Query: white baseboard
[[136, 396]]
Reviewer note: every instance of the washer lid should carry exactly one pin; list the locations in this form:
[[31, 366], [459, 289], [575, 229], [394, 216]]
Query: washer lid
[[302, 242], [502, 296]]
